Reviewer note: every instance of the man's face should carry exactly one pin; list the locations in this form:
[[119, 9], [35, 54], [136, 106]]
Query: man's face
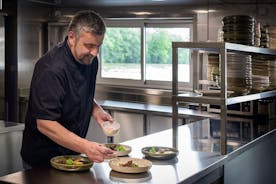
[[85, 47]]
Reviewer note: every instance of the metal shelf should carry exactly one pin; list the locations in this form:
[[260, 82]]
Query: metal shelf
[[216, 46], [200, 99], [250, 97], [221, 101], [222, 48]]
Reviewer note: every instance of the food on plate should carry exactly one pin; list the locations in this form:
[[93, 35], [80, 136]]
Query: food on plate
[[73, 161], [116, 147], [159, 152], [69, 161], [155, 150], [152, 150], [119, 149], [130, 163]]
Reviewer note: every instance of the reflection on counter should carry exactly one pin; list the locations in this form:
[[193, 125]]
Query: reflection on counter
[[129, 178], [239, 132], [163, 162]]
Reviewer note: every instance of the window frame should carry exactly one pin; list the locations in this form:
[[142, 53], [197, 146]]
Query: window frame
[[143, 24]]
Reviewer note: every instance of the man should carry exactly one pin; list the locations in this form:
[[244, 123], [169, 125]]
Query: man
[[62, 97]]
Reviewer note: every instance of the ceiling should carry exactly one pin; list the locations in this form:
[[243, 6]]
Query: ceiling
[[91, 3], [108, 3], [62, 9]]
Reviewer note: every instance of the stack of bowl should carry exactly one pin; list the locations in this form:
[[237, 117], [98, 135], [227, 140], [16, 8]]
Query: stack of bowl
[[239, 73], [213, 70], [264, 37], [238, 29], [272, 37], [260, 73], [257, 33], [272, 74]]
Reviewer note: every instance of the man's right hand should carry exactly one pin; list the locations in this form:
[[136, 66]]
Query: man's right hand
[[55, 131], [97, 152]]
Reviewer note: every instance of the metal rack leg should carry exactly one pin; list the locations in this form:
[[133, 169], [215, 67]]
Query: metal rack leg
[[175, 123], [223, 134], [110, 139]]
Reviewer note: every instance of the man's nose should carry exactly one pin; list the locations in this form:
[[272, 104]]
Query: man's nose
[[94, 51]]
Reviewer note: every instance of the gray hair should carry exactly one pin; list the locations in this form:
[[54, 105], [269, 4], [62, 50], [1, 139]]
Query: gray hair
[[88, 21]]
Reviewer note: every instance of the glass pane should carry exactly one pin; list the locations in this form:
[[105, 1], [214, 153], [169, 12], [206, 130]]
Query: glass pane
[[121, 53], [159, 53]]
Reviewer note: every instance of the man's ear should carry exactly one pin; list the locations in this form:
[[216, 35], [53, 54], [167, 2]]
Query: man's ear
[[71, 34], [71, 37]]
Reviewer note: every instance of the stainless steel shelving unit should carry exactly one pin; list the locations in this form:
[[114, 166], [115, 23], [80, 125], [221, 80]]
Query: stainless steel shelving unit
[[222, 48]]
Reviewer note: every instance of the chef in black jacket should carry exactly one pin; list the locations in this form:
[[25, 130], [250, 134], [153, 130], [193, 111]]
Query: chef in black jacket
[[61, 98]]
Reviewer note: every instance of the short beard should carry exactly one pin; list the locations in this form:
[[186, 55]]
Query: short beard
[[90, 61]]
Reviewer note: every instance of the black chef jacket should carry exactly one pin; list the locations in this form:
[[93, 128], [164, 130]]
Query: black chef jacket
[[61, 90]]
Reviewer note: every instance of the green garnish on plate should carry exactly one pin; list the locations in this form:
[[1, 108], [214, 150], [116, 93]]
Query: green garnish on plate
[[69, 161], [120, 148], [134, 165], [152, 150]]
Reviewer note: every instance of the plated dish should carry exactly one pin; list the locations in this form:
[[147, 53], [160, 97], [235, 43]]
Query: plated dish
[[159, 152], [120, 149], [130, 165], [71, 163]]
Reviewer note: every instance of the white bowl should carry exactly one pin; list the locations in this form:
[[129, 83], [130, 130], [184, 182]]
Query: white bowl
[[110, 128]]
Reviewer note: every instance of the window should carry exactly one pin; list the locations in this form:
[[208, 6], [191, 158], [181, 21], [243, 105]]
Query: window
[[159, 53], [121, 53], [140, 52]]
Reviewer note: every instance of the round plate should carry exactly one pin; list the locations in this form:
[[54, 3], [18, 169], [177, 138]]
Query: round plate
[[162, 153], [115, 147], [80, 163], [143, 165]]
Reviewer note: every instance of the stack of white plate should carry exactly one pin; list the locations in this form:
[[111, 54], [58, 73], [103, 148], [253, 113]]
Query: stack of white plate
[[259, 83], [264, 40], [260, 74], [257, 33], [239, 73], [272, 37], [272, 74], [238, 29]]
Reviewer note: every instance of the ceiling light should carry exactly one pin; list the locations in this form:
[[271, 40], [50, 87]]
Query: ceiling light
[[204, 11], [142, 13]]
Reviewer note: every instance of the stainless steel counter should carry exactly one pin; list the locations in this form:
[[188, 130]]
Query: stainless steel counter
[[198, 159]]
